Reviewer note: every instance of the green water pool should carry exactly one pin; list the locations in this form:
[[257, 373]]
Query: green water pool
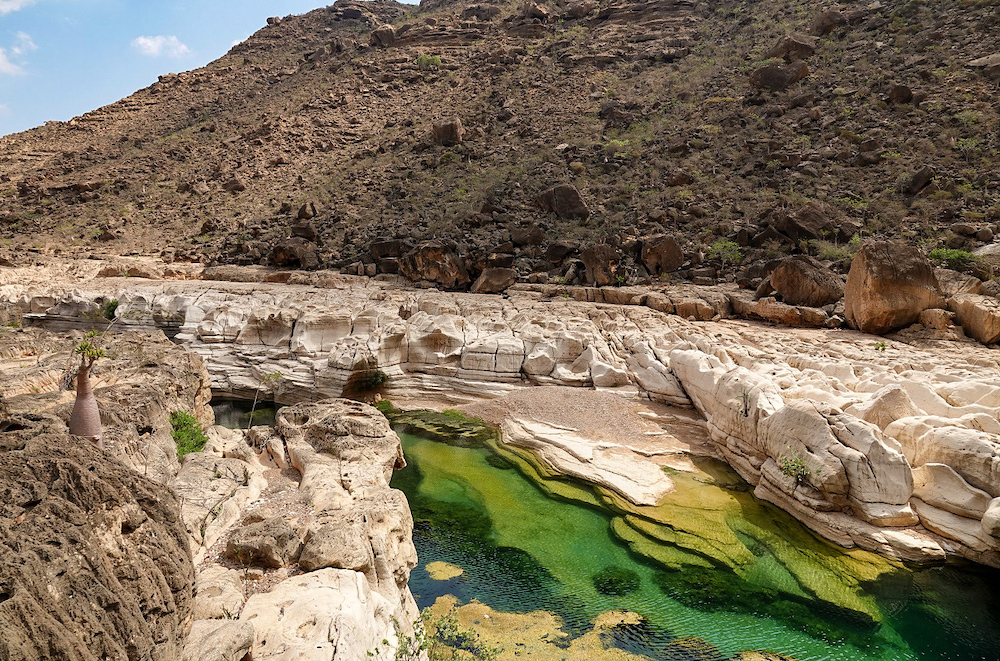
[[538, 544]]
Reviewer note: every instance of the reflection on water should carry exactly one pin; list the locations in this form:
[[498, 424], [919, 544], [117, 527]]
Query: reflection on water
[[235, 413], [523, 550]]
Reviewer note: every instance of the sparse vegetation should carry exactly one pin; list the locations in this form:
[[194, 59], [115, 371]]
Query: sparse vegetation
[[726, 251], [187, 433], [952, 258], [426, 62], [794, 466]]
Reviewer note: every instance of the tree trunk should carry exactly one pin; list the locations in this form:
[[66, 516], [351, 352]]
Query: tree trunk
[[86, 418]]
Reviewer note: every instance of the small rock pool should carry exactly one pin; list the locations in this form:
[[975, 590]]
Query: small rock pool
[[547, 544]]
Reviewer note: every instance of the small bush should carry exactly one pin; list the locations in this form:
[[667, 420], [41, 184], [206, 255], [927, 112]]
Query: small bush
[[372, 380], [726, 251], [793, 466], [109, 308], [954, 259], [616, 581], [428, 62], [187, 433]]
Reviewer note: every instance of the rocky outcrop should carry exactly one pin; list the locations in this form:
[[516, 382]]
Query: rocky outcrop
[[832, 399], [93, 557], [143, 378], [978, 315], [350, 533], [888, 286]]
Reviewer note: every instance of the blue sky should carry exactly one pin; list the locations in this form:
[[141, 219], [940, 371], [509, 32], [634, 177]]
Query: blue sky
[[61, 58]]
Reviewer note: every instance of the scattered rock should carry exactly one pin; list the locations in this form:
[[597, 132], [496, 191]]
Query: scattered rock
[[435, 262], [601, 262], [979, 316], [295, 252], [661, 254], [801, 280], [383, 36], [565, 200], [528, 234], [270, 543], [899, 94], [305, 230], [307, 211], [234, 185], [794, 47], [888, 286], [920, 179], [777, 77], [449, 132], [989, 66], [494, 281]]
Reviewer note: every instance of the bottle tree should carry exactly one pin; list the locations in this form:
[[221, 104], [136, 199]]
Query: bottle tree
[[85, 420]]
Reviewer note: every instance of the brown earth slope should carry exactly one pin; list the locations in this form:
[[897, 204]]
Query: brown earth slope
[[313, 143]]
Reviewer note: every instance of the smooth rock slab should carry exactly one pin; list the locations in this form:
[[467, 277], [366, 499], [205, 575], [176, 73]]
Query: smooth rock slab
[[218, 593], [614, 467], [218, 640], [326, 615], [939, 485]]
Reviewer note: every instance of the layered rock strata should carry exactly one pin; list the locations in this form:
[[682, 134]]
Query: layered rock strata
[[859, 413]]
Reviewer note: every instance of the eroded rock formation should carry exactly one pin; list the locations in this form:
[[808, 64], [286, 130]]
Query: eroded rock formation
[[859, 413], [93, 558], [338, 521]]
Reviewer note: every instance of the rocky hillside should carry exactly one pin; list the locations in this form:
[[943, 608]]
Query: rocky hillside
[[569, 141]]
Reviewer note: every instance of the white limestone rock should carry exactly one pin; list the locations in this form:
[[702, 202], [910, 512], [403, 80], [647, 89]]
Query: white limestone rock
[[325, 615], [611, 466], [218, 640], [218, 593], [939, 485]]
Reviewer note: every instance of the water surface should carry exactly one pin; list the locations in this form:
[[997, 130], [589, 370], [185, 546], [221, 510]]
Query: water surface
[[538, 544]]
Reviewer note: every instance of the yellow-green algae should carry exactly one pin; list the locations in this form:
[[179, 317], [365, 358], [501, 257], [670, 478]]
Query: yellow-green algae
[[706, 521], [752, 579]]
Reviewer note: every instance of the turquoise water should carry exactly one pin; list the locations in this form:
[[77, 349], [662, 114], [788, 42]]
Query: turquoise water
[[523, 550]]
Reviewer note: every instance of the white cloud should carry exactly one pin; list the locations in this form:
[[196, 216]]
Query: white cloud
[[160, 45], [7, 6], [7, 67], [22, 44]]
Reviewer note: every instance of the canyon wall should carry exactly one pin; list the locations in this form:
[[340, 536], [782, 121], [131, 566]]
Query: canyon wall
[[897, 443]]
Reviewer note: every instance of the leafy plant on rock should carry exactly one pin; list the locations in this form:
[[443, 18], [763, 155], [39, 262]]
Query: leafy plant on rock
[[187, 433], [793, 466]]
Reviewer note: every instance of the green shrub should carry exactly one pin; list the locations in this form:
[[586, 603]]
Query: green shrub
[[726, 251], [428, 62], [954, 259], [187, 433], [372, 380], [793, 466], [109, 308], [616, 581]]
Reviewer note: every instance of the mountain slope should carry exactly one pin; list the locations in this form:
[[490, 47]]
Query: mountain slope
[[659, 112]]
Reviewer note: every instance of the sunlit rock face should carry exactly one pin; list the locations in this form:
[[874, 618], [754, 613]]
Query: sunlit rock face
[[856, 413]]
